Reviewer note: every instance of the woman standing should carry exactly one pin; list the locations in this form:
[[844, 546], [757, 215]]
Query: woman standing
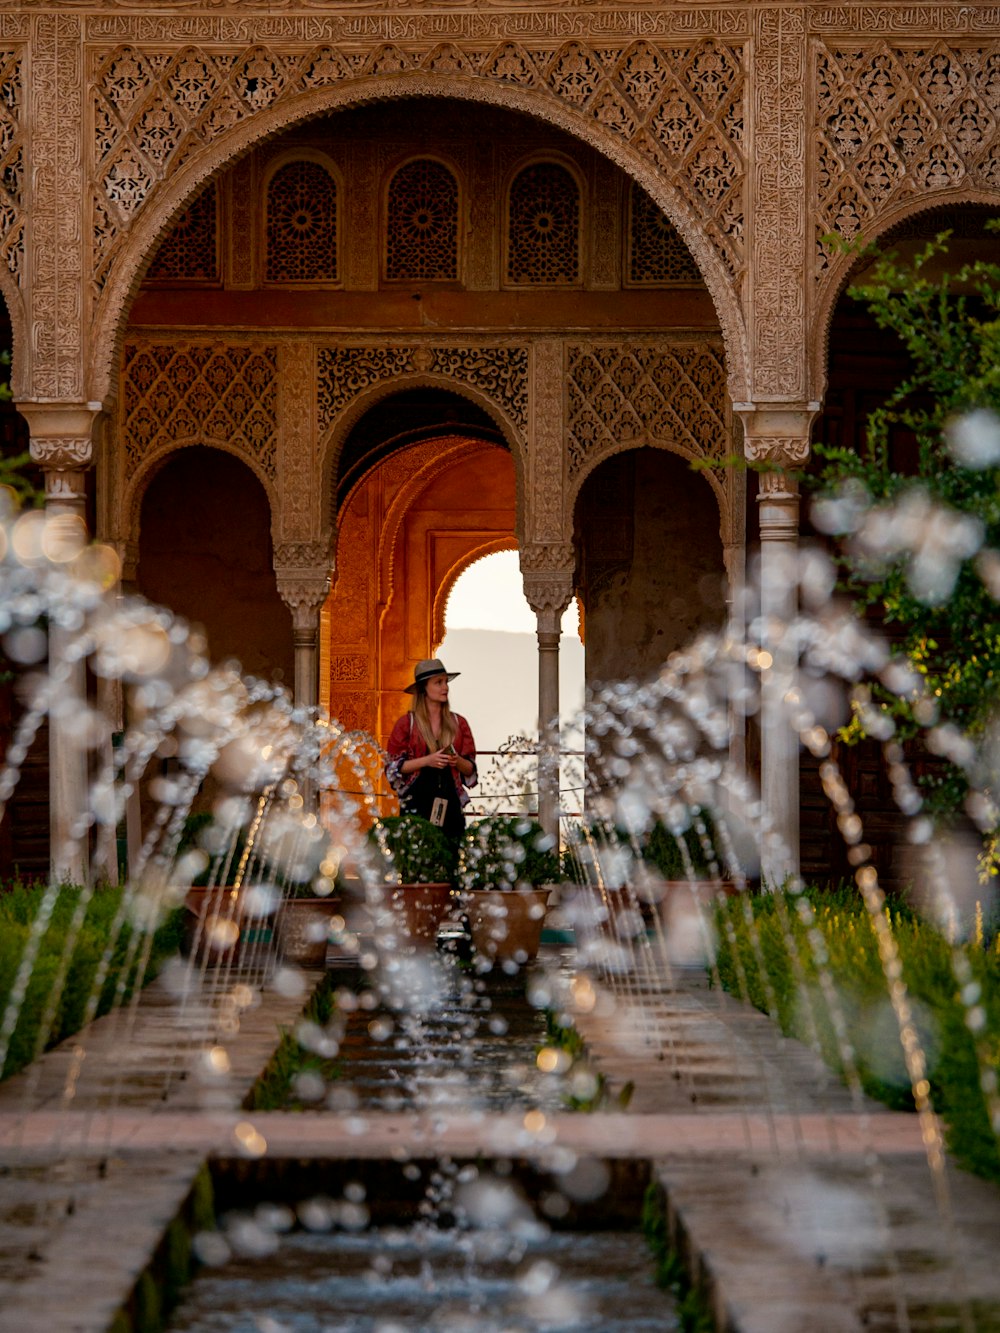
[[432, 756]]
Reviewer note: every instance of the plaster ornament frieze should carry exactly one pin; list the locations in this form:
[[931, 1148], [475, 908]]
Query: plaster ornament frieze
[[780, 451], [499, 371], [161, 97], [181, 392], [656, 392], [896, 125], [916, 20], [303, 556], [62, 453], [548, 558]]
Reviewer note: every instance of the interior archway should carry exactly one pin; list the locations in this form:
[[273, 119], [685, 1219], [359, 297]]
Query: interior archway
[[650, 569], [205, 552], [417, 517]]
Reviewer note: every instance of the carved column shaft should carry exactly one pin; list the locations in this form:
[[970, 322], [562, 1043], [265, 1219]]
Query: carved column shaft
[[778, 435], [549, 593]]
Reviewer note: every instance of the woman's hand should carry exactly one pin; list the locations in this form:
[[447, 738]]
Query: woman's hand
[[440, 759]]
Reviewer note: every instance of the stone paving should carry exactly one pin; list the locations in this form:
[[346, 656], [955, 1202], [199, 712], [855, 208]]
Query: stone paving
[[797, 1209]]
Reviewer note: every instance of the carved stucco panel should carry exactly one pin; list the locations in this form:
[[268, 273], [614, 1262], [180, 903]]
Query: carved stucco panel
[[298, 492], [176, 392], [57, 254], [895, 126], [652, 391], [778, 271], [497, 372], [545, 520], [244, 190]]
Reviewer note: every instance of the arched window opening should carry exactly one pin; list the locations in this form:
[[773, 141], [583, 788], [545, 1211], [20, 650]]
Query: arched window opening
[[302, 224], [543, 243], [190, 250], [422, 222], [657, 256]]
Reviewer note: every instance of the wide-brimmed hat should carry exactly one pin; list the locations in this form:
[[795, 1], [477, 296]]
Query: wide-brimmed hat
[[426, 670]]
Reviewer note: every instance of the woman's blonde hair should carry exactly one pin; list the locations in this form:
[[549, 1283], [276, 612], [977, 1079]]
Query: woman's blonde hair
[[449, 727]]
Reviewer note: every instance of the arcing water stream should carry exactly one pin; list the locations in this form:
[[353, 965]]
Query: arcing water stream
[[272, 778]]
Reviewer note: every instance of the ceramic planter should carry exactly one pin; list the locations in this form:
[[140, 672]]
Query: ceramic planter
[[506, 923], [420, 909], [303, 927]]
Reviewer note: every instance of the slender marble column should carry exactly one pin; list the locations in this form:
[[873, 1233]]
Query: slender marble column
[[61, 436], [777, 435], [548, 595]]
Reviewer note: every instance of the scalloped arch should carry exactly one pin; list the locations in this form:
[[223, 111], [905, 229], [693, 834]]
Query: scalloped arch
[[839, 275], [332, 442], [400, 506], [169, 199], [439, 611], [722, 497]]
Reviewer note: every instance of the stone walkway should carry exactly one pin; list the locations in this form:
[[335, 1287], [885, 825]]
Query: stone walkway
[[796, 1209]]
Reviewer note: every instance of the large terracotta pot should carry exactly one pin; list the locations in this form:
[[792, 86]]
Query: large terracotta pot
[[304, 929], [506, 923], [420, 909], [213, 925]]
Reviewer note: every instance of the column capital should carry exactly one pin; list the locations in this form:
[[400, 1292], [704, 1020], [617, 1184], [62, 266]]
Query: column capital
[[302, 570], [61, 442], [548, 593], [777, 433]]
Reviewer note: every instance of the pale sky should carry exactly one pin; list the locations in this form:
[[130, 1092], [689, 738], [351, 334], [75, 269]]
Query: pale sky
[[498, 688], [489, 595]]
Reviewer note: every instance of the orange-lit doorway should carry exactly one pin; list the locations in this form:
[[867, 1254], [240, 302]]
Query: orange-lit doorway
[[406, 531]]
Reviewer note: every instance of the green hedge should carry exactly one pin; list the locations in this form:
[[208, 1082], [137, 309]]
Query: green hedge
[[766, 953], [19, 906]]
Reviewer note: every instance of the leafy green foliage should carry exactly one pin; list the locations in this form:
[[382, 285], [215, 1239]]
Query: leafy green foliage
[[19, 906], [949, 325], [275, 1089], [499, 852], [418, 851], [663, 850], [767, 954], [693, 1314]]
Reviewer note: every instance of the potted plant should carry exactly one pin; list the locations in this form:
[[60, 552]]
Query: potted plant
[[420, 870], [506, 869], [306, 921], [662, 850]]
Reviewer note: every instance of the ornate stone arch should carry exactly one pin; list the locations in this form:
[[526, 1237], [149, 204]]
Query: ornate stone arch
[[440, 608], [139, 483], [519, 168], [397, 369], [662, 178], [20, 358], [279, 163], [843, 266], [721, 480]]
